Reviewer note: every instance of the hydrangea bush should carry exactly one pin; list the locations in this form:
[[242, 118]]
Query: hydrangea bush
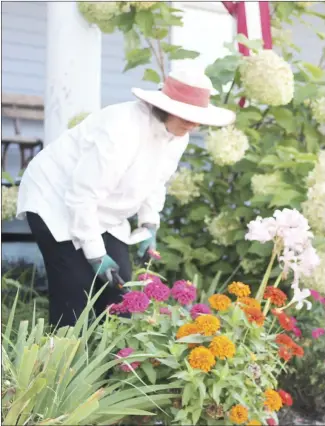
[[227, 352]]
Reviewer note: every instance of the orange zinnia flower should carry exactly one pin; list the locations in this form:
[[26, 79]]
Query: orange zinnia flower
[[277, 296], [286, 322], [239, 289], [238, 414], [284, 339], [186, 330], [297, 350], [250, 302], [255, 315], [286, 397], [220, 302], [207, 324], [202, 359], [285, 353], [272, 400], [222, 347]]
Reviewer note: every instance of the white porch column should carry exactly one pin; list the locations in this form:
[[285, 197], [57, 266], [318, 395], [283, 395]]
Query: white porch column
[[73, 74]]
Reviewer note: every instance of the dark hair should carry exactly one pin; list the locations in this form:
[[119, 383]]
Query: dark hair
[[160, 114]]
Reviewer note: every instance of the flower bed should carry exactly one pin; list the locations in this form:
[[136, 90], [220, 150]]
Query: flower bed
[[227, 353]]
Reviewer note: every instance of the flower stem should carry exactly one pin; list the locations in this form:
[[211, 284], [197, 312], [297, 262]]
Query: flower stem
[[272, 325], [260, 292], [268, 303]]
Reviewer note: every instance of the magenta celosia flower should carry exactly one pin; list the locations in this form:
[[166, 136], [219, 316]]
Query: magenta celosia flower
[[124, 353], [199, 308], [184, 292], [318, 332], [294, 321], [296, 331], [157, 291], [165, 311], [322, 300], [136, 301], [315, 295]]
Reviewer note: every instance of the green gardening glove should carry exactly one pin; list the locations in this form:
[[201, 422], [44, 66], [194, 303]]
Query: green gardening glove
[[103, 267], [150, 243]]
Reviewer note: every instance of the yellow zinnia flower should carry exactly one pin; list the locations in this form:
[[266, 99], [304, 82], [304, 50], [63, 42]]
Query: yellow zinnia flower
[[273, 400], [254, 423], [186, 330], [207, 325], [239, 289], [202, 359], [238, 414], [220, 302], [222, 347]]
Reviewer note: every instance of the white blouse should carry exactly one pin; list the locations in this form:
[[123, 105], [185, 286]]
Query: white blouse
[[111, 166]]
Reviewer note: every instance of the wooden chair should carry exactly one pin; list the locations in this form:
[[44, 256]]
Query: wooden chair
[[18, 107]]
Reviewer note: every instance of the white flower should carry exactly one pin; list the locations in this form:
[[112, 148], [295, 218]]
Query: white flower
[[265, 184], [222, 228], [300, 297], [267, 78], [261, 230], [227, 145], [318, 110], [9, 202], [184, 185]]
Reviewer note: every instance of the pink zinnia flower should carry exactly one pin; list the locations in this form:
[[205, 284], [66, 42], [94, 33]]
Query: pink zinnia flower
[[148, 276], [184, 292], [271, 422], [136, 301], [322, 300], [297, 331], [165, 311], [117, 308], [154, 254], [315, 295], [199, 308], [317, 332], [294, 321], [157, 291], [124, 353]]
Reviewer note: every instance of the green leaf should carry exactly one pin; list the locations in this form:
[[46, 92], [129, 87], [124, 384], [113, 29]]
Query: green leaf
[[316, 72], [8, 177], [187, 394], [284, 198], [242, 247], [151, 373], [183, 54], [168, 48], [285, 119], [145, 20], [260, 249], [151, 75], [199, 212], [160, 33], [251, 44], [137, 57], [131, 41]]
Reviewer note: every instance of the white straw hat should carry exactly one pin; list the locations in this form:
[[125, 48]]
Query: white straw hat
[[186, 94]]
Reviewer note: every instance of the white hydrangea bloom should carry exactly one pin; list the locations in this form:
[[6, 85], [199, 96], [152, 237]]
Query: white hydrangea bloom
[[316, 281], [227, 145], [221, 227], [267, 78], [314, 207], [100, 13], [265, 184], [142, 4], [254, 266], [318, 110], [9, 202], [184, 185], [304, 4]]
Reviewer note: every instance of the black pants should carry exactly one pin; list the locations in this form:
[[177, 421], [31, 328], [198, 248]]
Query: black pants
[[70, 275]]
